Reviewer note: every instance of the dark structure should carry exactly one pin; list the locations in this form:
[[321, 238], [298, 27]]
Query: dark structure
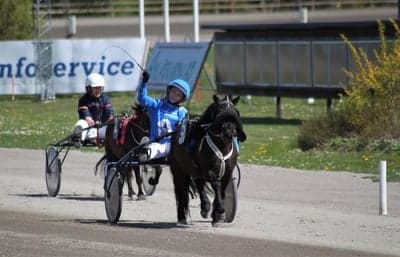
[[290, 60]]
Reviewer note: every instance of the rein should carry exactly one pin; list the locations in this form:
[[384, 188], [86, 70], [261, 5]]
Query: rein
[[133, 135], [217, 153]]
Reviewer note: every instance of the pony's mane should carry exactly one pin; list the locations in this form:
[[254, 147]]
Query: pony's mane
[[206, 115], [138, 109]]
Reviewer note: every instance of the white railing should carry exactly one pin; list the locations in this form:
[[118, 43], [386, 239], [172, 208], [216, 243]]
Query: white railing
[[154, 7]]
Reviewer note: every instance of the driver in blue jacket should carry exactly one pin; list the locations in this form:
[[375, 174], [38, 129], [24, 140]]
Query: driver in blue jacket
[[165, 113]]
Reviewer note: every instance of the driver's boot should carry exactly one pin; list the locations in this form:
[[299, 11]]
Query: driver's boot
[[76, 136], [143, 151]]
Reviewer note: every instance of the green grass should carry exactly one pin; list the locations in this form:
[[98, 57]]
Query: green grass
[[28, 123]]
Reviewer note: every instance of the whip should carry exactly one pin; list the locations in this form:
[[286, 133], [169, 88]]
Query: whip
[[127, 53]]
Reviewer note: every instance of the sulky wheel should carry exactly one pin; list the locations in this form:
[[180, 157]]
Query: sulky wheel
[[53, 171], [148, 174], [231, 195], [113, 194], [231, 200]]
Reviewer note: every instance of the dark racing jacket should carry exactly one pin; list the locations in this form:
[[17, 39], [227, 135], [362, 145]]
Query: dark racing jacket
[[100, 109]]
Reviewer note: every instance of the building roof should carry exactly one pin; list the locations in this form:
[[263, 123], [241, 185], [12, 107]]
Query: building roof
[[316, 30]]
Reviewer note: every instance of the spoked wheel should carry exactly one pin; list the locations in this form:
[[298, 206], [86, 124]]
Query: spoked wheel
[[231, 200], [113, 194], [148, 173], [53, 171], [231, 195]]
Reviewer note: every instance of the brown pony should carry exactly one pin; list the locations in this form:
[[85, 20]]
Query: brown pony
[[137, 128], [213, 159]]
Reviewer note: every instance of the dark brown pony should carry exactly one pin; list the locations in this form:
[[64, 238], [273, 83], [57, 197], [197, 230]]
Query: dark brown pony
[[138, 127], [213, 159]]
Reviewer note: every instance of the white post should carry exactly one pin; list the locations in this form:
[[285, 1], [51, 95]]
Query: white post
[[141, 19], [196, 20], [382, 189], [166, 20], [303, 15], [71, 26]]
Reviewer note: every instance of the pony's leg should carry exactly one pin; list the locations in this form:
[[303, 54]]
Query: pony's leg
[[205, 205], [154, 181], [218, 212], [139, 182], [128, 175], [181, 188]]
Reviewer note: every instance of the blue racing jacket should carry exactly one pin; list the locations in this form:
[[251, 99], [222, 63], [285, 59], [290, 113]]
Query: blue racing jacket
[[164, 116]]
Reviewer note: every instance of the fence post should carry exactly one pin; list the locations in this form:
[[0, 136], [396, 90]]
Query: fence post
[[141, 19], [166, 21], [382, 189], [71, 26], [303, 15], [196, 20]]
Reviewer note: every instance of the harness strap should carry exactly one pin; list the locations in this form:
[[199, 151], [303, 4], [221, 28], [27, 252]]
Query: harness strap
[[116, 129], [218, 153], [123, 129]]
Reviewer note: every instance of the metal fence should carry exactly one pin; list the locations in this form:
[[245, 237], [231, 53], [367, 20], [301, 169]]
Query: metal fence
[[155, 7], [290, 68]]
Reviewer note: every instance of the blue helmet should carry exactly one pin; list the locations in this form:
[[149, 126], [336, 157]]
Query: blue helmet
[[182, 85]]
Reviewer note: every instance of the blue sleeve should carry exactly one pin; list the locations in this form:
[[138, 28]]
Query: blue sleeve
[[144, 99]]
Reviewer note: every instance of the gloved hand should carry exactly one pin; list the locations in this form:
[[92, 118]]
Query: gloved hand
[[145, 76]]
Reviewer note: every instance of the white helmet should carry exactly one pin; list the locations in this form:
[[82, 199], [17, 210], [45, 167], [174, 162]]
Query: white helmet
[[95, 80]]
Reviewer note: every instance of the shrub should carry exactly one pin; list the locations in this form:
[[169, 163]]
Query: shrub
[[370, 110], [384, 145], [315, 133], [345, 144], [372, 100]]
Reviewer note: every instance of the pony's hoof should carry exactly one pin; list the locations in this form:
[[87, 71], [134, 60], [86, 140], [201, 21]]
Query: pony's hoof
[[218, 220], [184, 223], [140, 198], [205, 210], [153, 181], [219, 224], [205, 213], [130, 197]]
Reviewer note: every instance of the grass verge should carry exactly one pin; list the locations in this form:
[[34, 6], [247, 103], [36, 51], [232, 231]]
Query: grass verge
[[28, 123]]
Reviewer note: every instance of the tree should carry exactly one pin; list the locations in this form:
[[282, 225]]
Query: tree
[[16, 20]]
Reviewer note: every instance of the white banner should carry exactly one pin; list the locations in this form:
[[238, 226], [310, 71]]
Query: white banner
[[72, 61]]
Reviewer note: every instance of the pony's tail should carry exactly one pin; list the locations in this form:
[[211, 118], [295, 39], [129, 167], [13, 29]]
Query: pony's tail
[[96, 168]]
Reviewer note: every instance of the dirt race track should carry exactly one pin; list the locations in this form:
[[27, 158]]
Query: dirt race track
[[281, 213]]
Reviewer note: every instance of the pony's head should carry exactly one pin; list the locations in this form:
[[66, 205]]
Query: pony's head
[[143, 119], [225, 125], [224, 118], [218, 106], [138, 109]]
